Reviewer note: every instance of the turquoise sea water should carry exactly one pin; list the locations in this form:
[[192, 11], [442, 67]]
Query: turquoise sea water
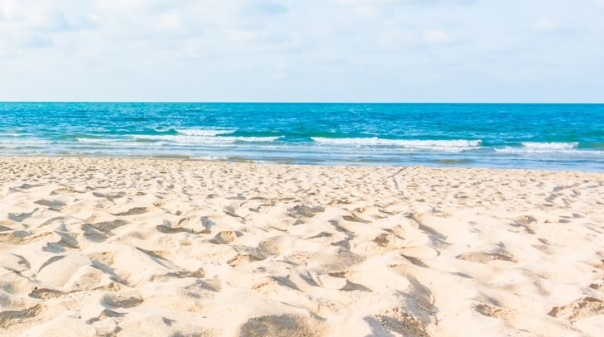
[[542, 136]]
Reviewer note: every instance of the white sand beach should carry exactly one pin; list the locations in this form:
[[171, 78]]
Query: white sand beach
[[124, 247]]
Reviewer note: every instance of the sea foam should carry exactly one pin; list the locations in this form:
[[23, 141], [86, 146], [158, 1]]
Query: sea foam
[[207, 140], [535, 147], [205, 132], [458, 145]]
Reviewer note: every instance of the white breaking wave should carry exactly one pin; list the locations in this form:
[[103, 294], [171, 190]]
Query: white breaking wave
[[116, 143], [208, 140], [534, 147], [550, 146], [98, 140], [458, 145], [24, 142], [208, 158], [207, 137]]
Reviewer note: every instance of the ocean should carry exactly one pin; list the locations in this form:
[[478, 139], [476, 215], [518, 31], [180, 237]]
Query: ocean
[[526, 136]]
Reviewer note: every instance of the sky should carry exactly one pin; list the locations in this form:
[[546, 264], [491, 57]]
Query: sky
[[302, 50]]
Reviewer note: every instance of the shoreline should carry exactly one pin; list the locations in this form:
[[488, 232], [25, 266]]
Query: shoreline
[[366, 165], [108, 246], [494, 136]]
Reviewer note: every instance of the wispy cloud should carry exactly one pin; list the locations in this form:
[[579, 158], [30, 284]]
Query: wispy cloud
[[437, 36], [546, 25], [289, 49]]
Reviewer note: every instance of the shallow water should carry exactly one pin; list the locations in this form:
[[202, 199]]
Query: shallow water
[[536, 136]]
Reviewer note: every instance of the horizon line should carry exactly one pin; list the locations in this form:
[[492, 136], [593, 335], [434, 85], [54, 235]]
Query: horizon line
[[297, 102]]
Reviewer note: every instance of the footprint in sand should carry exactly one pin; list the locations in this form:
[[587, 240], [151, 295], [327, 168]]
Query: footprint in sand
[[194, 224], [58, 270], [584, 307], [480, 257], [224, 237], [27, 186], [334, 259], [274, 246], [281, 325], [155, 325], [109, 196], [65, 241], [173, 230], [306, 211], [51, 204], [64, 190], [338, 281], [45, 293], [355, 218], [495, 312], [12, 318], [597, 286], [416, 261], [13, 262], [247, 254], [20, 217], [404, 324], [16, 237], [123, 301], [133, 211], [100, 231]]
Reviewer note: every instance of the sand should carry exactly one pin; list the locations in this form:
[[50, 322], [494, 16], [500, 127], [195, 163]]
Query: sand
[[123, 247]]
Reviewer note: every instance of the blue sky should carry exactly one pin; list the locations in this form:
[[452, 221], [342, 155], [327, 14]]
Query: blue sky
[[303, 50]]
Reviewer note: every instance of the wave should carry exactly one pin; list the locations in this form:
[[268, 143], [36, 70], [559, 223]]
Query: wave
[[204, 132], [203, 140], [458, 145], [104, 144], [535, 147], [157, 131], [98, 140], [209, 158], [12, 134], [207, 137], [25, 142], [184, 138], [253, 139], [551, 146]]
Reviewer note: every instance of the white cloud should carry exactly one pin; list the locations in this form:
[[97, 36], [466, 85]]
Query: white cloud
[[171, 22], [436, 36], [136, 6], [30, 15], [367, 11], [396, 38], [238, 35], [546, 25], [228, 50], [363, 2]]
